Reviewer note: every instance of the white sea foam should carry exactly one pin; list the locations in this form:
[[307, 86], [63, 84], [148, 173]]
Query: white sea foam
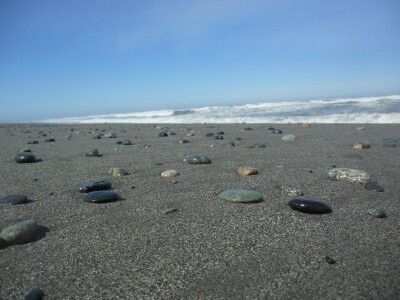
[[383, 109]]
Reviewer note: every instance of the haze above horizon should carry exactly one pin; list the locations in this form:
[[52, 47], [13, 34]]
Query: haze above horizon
[[74, 58]]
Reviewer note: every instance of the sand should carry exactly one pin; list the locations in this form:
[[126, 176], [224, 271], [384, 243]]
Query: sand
[[207, 249]]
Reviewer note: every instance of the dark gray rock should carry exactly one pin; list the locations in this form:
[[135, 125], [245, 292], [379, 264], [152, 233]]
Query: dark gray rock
[[33, 142], [51, 140], [14, 199], [310, 205], [101, 197], [163, 134], [93, 153], [277, 131], [23, 232], [96, 185], [169, 210], [218, 137], [25, 157], [35, 294]]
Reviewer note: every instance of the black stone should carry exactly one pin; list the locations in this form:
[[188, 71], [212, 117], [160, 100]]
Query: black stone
[[220, 132], [172, 133], [35, 294], [247, 129], [33, 142], [218, 137], [97, 137], [309, 205], [330, 260], [51, 140], [25, 157], [373, 186], [14, 199], [271, 128], [163, 134], [277, 131], [209, 134], [184, 141], [93, 153], [97, 185], [169, 210], [101, 197]]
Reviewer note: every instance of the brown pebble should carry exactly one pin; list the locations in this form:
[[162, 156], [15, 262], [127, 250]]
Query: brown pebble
[[362, 145], [247, 171]]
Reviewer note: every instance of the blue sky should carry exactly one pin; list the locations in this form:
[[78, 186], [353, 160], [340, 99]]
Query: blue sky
[[71, 58]]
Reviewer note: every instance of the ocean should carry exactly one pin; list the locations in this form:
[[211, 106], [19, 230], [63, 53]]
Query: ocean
[[382, 109]]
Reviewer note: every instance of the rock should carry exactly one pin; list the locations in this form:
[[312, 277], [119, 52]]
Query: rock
[[277, 131], [330, 260], [218, 137], [93, 153], [25, 157], [126, 142], [26, 150], [247, 171], [310, 205], [362, 145], [347, 174], [116, 172], [184, 141], [169, 173], [389, 142], [96, 185], [209, 134], [35, 294], [23, 232], [257, 145], [288, 137], [290, 191], [110, 135], [190, 132], [169, 210], [171, 133], [220, 133], [101, 197], [33, 142], [51, 140], [97, 137], [270, 128], [163, 134], [14, 199], [240, 195], [360, 128], [376, 212], [306, 125], [373, 186], [198, 159]]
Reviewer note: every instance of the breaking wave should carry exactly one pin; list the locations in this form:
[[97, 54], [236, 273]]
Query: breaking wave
[[383, 109]]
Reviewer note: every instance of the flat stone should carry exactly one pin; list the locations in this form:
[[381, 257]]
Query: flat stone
[[35, 294], [288, 137], [93, 153], [25, 157], [347, 174], [117, 172], [198, 159], [23, 232], [247, 171], [96, 185], [101, 197], [360, 128], [50, 140], [14, 199], [169, 173], [373, 186], [277, 131], [33, 142], [169, 210], [290, 191], [362, 145], [389, 142], [310, 205], [377, 213], [257, 146], [240, 195]]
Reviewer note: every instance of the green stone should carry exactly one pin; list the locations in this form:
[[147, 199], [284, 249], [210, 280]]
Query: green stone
[[245, 196]]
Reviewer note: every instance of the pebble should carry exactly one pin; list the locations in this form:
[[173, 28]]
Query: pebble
[[51, 140], [240, 195], [373, 186], [33, 142], [96, 185], [220, 133], [310, 205], [347, 174], [218, 137], [116, 172], [101, 196], [169, 210], [125, 142], [22, 232], [277, 131], [290, 191], [14, 199], [247, 171], [110, 135], [362, 145], [25, 157], [288, 137], [259, 146], [330, 260], [360, 128], [198, 159], [377, 213], [389, 142], [184, 141], [93, 153], [247, 129], [35, 294], [169, 173]]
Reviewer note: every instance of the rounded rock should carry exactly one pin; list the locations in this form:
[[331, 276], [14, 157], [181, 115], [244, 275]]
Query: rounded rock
[[25, 157], [101, 197], [96, 185], [309, 205], [247, 171], [22, 232], [347, 174], [169, 173], [241, 196], [14, 199]]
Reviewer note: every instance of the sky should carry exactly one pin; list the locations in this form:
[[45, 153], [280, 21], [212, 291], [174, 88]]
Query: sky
[[74, 57]]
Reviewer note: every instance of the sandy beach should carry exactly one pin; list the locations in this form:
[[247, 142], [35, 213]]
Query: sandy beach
[[207, 248]]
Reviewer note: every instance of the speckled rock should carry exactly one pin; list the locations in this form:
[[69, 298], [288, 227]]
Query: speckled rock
[[376, 212], [22, 232], [169, 173], [240, 195], [117, 172], [247, 171], [347, 174], [290, 191], [198, 159]]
